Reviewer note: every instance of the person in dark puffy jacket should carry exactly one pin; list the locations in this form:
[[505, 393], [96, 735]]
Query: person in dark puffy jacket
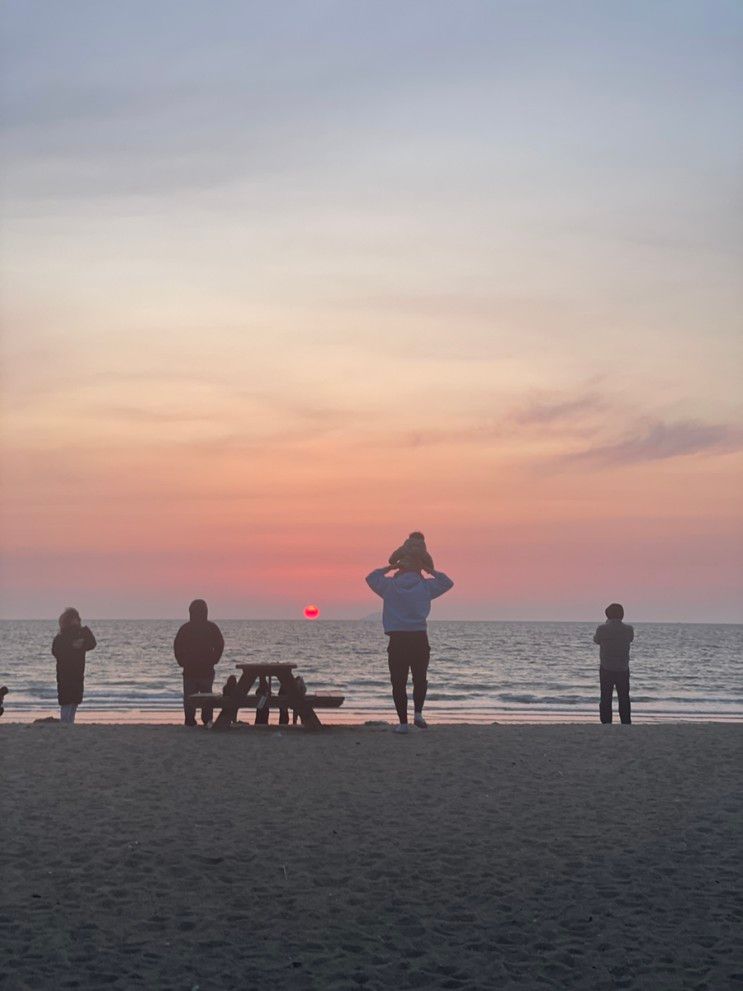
[[198, 647], [69, 648]]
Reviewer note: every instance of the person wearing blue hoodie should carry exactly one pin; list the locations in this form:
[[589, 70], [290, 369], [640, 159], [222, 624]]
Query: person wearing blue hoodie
[[407, 599]]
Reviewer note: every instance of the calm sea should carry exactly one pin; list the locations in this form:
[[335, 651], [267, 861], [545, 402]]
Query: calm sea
[[479, 671]]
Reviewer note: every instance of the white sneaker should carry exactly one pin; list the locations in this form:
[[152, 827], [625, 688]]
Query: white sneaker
[[400, 728], [419, 721]]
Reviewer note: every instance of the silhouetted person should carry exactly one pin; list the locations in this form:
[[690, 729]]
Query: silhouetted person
[[262, 710], [230, 690], [407, 599], [3, 693], [69, 648], [198, 646], [614, 638]]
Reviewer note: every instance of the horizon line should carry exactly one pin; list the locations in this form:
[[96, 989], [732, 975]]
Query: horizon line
[[361, 619]]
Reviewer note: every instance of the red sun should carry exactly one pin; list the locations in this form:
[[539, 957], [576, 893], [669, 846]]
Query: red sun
[[311, 612]]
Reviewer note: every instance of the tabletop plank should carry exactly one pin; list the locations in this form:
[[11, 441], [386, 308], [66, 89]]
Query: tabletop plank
[[269, 666]]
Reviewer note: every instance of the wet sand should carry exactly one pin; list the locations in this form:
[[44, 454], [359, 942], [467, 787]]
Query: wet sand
[[462, 857]]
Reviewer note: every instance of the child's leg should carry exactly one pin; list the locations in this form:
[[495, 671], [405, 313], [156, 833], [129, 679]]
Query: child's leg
[[73, 713], [65, 714]]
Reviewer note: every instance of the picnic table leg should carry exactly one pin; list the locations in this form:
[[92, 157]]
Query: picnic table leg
[[226, 716], [307, 714]]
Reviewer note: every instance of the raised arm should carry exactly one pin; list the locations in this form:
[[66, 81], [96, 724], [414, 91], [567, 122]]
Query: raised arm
[[376, 580], [89, 641], [597, 634], [439, 583]]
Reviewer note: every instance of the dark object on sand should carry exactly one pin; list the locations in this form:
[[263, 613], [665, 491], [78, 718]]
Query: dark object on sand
[[3, 693]]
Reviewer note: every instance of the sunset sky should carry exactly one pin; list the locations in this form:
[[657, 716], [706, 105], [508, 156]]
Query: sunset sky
[[283, 282]]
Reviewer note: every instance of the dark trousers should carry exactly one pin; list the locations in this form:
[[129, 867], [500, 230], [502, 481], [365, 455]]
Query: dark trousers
[[610, 680], [408, 652], [192, 684]]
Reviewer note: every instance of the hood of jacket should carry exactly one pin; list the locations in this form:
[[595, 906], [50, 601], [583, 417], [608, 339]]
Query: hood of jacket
[[198, 611], [407, 581]]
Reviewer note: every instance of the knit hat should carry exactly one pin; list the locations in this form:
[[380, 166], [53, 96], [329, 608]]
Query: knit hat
[[413, 554]]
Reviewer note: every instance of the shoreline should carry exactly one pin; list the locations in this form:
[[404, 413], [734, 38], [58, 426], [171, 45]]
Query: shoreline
[[356, 718], [175, 718]]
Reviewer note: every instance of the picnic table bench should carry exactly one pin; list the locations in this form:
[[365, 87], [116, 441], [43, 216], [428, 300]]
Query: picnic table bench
[[289, 696]]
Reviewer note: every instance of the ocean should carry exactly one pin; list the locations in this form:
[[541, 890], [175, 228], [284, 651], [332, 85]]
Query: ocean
[[479, 672]]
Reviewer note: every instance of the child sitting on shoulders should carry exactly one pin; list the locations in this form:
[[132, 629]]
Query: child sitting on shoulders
[[413, 554]]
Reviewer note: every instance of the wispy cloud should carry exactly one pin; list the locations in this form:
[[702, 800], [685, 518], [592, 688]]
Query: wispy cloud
[[587, 419], [482, 433], [559, 410], [552, 414], [658, 441], [146, 415]]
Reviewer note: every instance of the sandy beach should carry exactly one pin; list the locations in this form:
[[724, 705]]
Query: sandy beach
[[461, 857]]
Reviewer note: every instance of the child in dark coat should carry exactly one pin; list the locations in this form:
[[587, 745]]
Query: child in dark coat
[[69, 648]]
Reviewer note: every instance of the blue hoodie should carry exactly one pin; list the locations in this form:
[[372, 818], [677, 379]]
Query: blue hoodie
[[407, 597]]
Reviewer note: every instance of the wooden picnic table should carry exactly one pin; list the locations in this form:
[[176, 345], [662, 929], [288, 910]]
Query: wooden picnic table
[[289, 696]]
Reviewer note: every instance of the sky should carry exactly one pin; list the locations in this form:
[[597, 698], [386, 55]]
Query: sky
[[282, 282]]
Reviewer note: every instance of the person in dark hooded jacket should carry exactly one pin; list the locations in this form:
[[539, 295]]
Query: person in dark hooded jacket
[[69, 648], [198, 647]]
